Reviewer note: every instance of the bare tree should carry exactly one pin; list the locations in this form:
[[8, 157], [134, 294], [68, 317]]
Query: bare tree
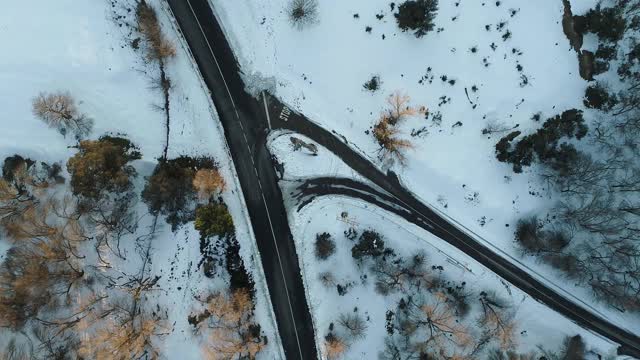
[[125, 337], [498, 319], [495, 126], [302, 13], [159, 48], [594, 213], [327, 279], [398, 108], [34, 276], [14, 203], [126, 325], [429, 327], [401, 274], [59, 111], [354, 325], [113, 218]]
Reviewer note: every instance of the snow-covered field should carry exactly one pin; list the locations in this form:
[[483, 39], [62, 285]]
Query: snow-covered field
[[76, 46], [320, 70]]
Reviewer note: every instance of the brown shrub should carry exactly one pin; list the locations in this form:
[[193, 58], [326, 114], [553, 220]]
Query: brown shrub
[[208, 182], [391, 145], [158, 48]]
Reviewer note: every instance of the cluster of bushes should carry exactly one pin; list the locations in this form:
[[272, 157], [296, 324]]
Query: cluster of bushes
[[545, 144], [608, 23], [229, 322], [172, 190], [548, 244], [611, 25], [183, 189], [188, 189], [51, 231], [603, 56], [372, 84], [370, 245], [573, 348]]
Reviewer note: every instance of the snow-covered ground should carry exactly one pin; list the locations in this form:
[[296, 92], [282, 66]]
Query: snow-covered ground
[[76, 46], [302, 164], [536, 324], [320, 71], [336, 56]]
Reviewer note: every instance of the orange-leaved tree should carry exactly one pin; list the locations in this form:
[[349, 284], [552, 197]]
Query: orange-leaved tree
[[233, 330], [391, 146], [399, 108], [208, 182], [334, 346], [385, 131]]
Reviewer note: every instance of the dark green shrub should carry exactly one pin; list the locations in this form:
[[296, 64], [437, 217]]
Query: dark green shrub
[[214, 219], [14, 163], [417, 16], [373, 84], [370, 244], [239, 276], [597, 97], [544, 144]]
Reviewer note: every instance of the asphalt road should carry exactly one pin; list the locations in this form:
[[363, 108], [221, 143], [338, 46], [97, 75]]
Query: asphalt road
[[245, 123]]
